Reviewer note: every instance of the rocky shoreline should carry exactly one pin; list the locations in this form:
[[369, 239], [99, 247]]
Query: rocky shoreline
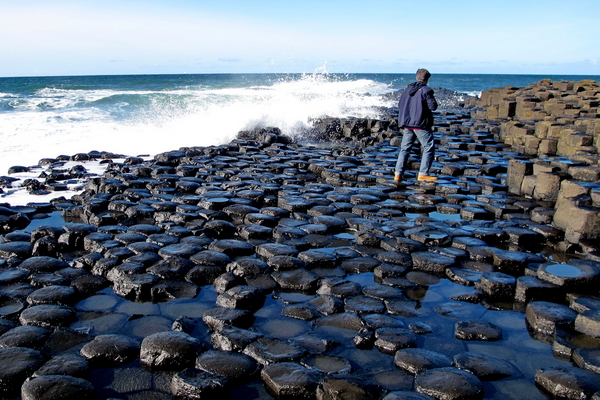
[[266, 268]]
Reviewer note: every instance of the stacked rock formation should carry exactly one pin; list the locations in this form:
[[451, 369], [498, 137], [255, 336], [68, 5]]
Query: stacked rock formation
[[557, 126], [295, 271]]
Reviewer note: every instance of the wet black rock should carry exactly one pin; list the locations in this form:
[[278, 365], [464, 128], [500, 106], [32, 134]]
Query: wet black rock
[[588, 322], [431, 262], [415, 360], [302, 312], [530, 288], [406, 395], [185, 250], [588, 359], [65, 364], [290, 380], [267, 350], [567, 382], [327, 364], [584, 303], [449, 383], [317, 258], [359, 265], [298, 279], [111, 350], [463, 276], [497, 285], [235, 367], [382, 292], [12, 275], [11, 306], [16, 249], [363, 304], [338, 287], [390, 340], [219, 317], [231, 338], [170, 350], [226, 281], [243, 297], [47, 315], [545, 317], [210, 258], [404, 308], [576, 275], [192, 383], [29, 336], [347, 386], [171, 268], [16, 364], [270, 252], [247, 266], [6, 325], [509, 262], [135, 286], [232, 247], [53, 294], [50, 387], [485, 367], [344, 320], [477, 330]]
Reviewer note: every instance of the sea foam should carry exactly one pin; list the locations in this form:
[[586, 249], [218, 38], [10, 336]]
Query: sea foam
[[53, 121]]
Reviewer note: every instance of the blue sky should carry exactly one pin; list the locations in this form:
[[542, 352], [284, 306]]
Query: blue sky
[[91, 37]]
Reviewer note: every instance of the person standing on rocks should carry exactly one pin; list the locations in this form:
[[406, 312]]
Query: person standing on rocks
[[415, 116]]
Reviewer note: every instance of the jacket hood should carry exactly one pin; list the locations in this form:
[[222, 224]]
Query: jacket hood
[[414, 87]]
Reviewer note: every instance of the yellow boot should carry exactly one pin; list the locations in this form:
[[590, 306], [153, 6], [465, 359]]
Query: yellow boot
[[427, 178]]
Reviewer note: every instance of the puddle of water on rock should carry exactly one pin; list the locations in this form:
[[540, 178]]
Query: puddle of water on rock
[[282, 328], [435, 216], [293, 297], [328, 364], [444, 217], [54, 219], [346, 236], [564, 270], [100, 302], [363, 279], [146, 326]]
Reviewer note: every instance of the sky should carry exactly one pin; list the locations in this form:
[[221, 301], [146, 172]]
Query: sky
[[104, 37]]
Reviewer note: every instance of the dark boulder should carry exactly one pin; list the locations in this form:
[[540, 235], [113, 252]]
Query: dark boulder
[[485, 367], [290, 380], [235, 367], [16, 365], [449, 383], [111, 350], [192, 383], [170, 350], [50, 387]]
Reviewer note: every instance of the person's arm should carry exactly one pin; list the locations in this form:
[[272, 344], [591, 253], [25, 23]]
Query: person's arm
[[431, 102]]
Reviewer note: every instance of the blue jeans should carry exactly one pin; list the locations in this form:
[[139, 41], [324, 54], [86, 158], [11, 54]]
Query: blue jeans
[[425, 137]]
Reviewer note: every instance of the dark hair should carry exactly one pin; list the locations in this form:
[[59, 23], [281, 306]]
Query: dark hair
[[423, 75]]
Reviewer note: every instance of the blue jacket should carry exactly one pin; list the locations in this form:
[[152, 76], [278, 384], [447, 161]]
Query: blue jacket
[[415, 107]]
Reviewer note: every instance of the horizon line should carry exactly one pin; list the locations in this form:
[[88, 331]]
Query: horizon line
[[289, 73]]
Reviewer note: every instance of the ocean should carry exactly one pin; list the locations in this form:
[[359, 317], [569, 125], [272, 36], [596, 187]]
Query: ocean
[[44, 117]]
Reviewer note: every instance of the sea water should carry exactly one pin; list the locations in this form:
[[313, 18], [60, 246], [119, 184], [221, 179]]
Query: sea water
[[133, 115]]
